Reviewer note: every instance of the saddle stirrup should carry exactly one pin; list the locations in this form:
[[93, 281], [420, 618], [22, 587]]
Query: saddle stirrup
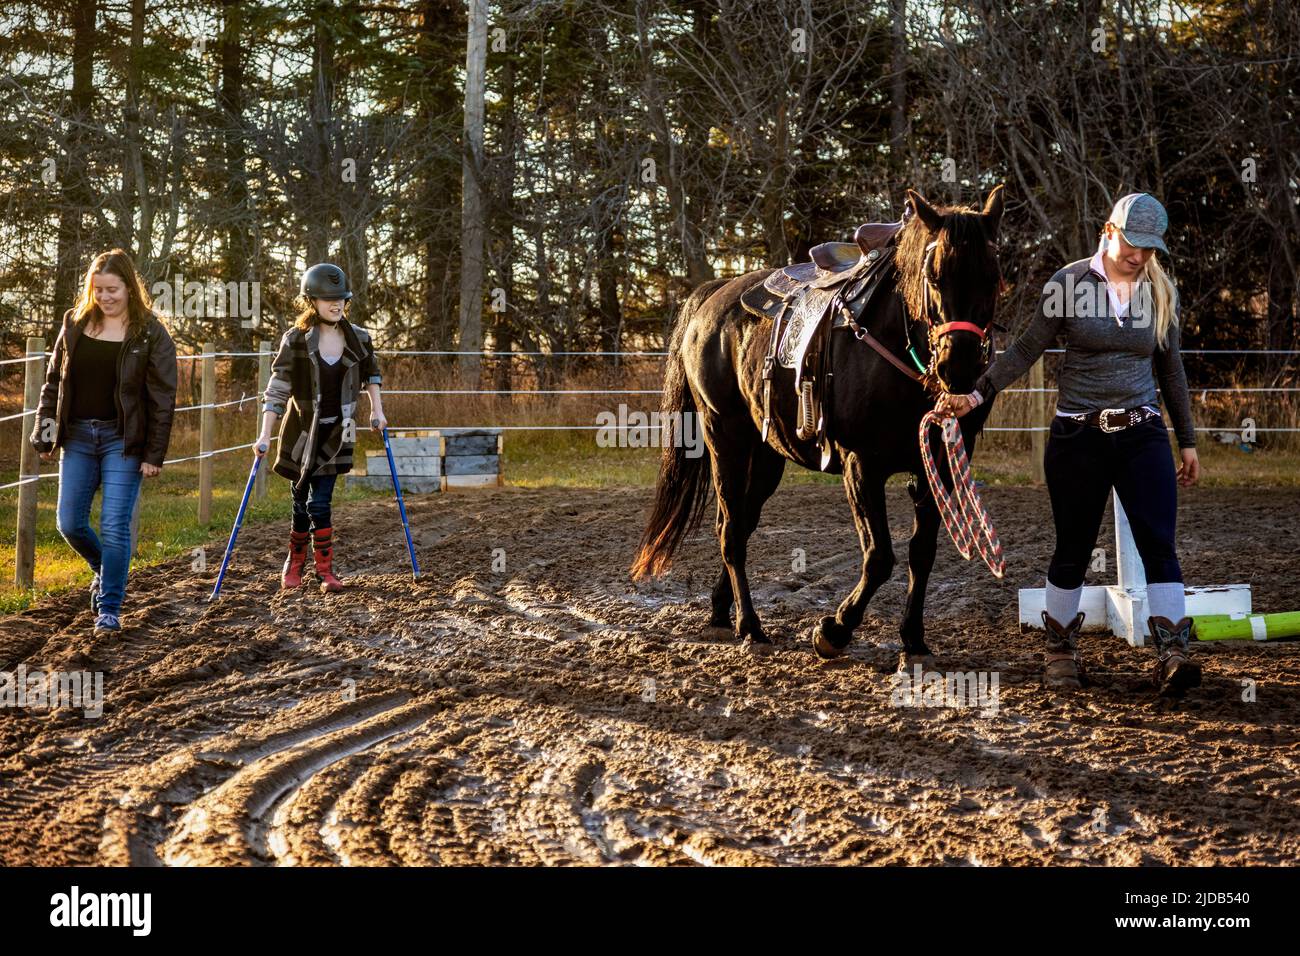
[[807, 427], [768, 363]]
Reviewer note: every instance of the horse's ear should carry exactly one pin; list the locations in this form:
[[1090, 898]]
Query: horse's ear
[[925, 212], [992, 214]]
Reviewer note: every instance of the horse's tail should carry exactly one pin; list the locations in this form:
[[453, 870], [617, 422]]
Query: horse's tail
[[684, 482]]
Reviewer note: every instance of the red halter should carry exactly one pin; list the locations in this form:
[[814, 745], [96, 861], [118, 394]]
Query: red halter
[[946, 328], [958, 327]]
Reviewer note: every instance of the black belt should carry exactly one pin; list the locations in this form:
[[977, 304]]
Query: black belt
[[1115, 419]]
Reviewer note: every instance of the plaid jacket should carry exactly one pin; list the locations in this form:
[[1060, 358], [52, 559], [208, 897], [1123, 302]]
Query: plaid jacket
[[294, 393]]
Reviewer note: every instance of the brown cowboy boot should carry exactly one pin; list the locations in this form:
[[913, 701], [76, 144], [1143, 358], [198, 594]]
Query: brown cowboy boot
[[296, 561], [324, 554], [1175, 671], [1062, 668]]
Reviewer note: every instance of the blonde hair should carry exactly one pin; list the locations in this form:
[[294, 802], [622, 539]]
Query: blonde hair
[[1162, 291], [1163, 296]]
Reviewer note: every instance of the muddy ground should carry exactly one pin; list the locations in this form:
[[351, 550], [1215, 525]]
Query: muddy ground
[[553, 712]]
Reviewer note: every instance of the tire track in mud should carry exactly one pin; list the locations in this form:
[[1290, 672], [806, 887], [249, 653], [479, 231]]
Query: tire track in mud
[[206, 785], [228, 825], [555, 713]]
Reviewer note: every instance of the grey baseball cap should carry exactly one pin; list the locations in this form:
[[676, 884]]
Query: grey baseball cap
[[1141, 220]]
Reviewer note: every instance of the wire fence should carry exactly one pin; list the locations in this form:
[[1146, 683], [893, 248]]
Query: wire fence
[[255, 399], [204, 378]]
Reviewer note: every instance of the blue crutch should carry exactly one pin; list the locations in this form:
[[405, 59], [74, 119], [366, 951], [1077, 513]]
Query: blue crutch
[[239, 520], [401, 506]]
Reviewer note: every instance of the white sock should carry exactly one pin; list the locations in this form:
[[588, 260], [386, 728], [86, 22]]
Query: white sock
[[1062, 603], [1168, 600]]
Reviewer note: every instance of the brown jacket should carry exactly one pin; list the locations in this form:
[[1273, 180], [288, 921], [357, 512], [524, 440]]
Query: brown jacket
[[146, 391], [294, 393]]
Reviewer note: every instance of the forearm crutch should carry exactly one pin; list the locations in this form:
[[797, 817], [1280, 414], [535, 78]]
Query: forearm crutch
[[401, 506], [239, 520]]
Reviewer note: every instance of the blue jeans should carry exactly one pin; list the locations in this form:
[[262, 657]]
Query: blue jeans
[[92, 460], [311, 502]]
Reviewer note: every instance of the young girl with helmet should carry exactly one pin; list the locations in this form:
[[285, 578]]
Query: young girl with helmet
[[322, 365]]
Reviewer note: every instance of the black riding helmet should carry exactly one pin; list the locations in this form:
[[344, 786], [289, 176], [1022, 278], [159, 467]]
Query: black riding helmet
[[325, 281]]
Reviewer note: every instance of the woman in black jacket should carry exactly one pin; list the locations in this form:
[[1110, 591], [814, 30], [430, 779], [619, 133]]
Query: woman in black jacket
[[107, 402], [323, 364]]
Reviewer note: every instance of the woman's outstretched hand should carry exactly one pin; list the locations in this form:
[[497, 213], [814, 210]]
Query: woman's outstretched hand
[[953, 404], [1190, 470], [150, 471]]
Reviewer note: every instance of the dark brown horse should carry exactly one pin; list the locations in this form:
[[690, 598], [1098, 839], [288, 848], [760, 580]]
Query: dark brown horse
[[944, 285]]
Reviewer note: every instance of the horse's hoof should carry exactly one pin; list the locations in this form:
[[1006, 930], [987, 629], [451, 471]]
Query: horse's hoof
[[907, 662], [824, 648], [822, 632], [757, 647], [713, 632]]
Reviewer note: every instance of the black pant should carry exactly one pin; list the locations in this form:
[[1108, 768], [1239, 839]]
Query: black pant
[[1082, 464]]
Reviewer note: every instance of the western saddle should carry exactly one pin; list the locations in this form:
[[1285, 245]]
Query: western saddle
[[840, 279]]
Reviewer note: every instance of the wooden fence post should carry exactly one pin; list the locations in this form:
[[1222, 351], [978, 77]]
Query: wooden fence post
[[1037, 418], [29, 466], [207, 431], [263, 379]]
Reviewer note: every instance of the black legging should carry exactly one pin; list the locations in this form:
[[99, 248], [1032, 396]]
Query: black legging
[[1082, 463], [312, 498]]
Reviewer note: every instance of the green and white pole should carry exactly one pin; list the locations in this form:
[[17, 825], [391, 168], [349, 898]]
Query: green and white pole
[[1247, 627]]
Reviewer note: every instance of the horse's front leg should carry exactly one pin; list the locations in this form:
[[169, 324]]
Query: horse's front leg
[[866, 493], [920, 562]]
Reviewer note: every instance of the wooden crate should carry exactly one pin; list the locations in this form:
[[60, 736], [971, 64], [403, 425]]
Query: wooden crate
[[429, 460], [472, 458]]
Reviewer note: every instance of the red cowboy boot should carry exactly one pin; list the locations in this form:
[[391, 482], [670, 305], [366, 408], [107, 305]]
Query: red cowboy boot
[[296, 561], [324, 554]]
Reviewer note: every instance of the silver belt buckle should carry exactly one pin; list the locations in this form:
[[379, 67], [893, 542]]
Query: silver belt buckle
[[1101, 419]]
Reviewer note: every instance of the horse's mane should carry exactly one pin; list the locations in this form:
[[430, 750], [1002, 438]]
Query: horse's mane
[[962, 227]]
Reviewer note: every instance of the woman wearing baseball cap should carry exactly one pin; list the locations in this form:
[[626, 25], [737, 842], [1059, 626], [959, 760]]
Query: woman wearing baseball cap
[[317, 376], [1118, 312]]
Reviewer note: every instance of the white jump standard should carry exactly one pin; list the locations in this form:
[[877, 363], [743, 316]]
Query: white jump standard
[[1121, 607]]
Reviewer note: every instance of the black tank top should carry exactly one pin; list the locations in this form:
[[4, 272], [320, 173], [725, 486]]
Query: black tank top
[[331, 388], [94, 378]]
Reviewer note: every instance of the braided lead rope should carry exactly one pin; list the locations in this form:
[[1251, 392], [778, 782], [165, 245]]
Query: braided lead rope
[[961, 516]]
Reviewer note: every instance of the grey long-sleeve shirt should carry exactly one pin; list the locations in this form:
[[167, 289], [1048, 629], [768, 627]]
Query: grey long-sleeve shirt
[[1108, 363]]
